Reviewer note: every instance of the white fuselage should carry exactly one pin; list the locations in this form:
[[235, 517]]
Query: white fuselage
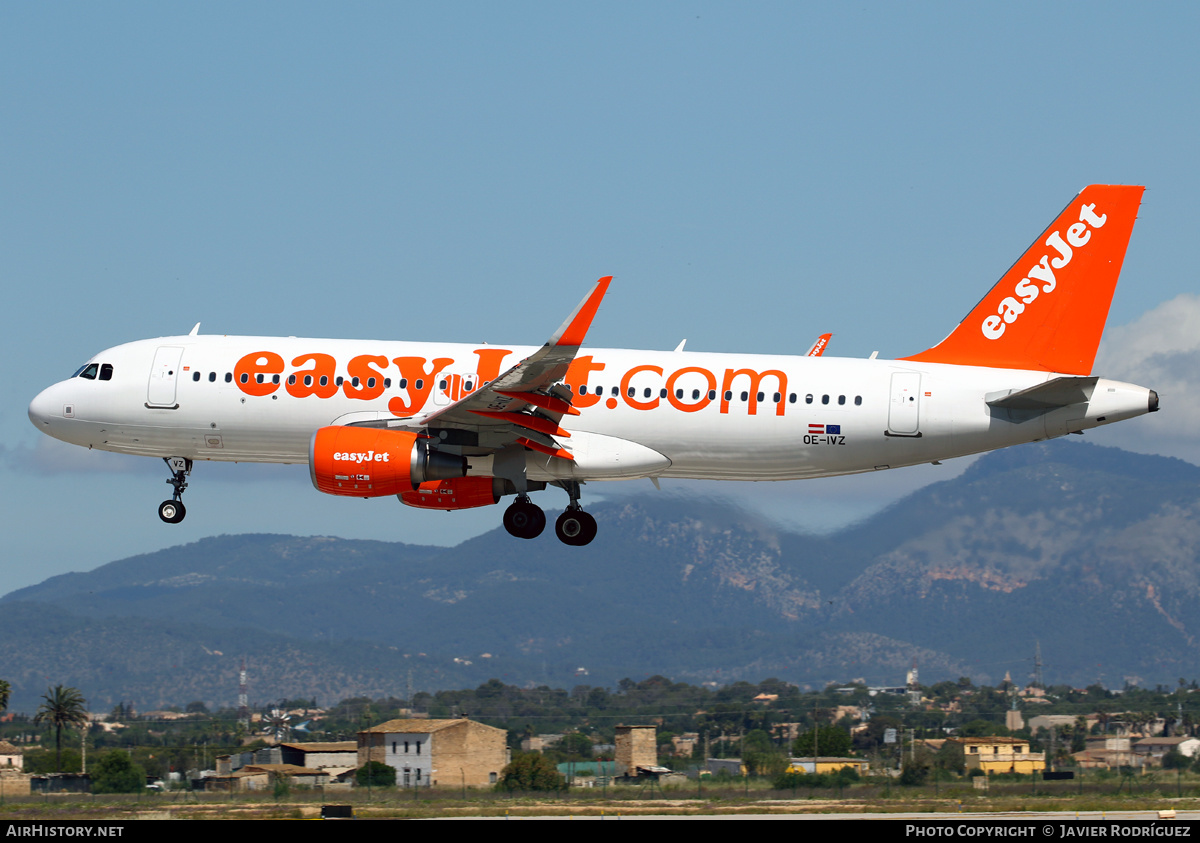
[[641, 413]]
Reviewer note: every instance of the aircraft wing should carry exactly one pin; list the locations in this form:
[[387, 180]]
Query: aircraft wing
[[523, 405]]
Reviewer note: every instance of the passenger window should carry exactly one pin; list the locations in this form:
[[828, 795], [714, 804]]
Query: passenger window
[[291, 380], [695, 394], [324, 380], [712, 395], [629, 392], [229, 377], [824, 399], [792, 398], [441, 385], [808, 398], [583, 389], [646, 392], [212, 377], [729, 395], [259, 378], [857, 400], [275, 379], [777, 398], [841, 400], [106, 371], [307, 380], [338, 382], [420, 384], [387, 383], [662, 393], [758, 397], [469, 386], [195, 376], [679, 393]]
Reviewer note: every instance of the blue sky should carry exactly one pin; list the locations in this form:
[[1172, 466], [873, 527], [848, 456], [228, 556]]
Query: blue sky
[[752, 175]]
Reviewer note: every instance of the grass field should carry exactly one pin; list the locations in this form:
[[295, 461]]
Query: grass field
[[1117, 795]]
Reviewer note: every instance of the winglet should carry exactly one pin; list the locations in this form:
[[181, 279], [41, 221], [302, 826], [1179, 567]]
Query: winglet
[[573, 331], [1048, 311], [818, 347]]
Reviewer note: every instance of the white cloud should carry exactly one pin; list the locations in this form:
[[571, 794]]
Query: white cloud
[[1159, 350]]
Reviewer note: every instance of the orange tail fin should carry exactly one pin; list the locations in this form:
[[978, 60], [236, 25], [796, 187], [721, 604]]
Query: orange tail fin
[[1048, 311]]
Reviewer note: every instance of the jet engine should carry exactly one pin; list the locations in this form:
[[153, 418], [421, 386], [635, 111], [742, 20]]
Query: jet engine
[[370, 462], [458, 493]]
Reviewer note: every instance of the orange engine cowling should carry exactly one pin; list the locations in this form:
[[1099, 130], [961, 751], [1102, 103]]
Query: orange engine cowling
[[459, 493], [370, 462]]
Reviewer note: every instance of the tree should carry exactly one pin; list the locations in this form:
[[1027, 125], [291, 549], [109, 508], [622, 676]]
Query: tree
[[5, 693], [530, 771], [832, 742], [950, 757], [761, 756], [574, 746], [61, 707], [1175, 760], [914, 773], [376, 774], [115, 772]]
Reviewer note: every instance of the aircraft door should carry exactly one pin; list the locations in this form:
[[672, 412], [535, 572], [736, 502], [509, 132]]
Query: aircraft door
[[904, 408], [164, 374]]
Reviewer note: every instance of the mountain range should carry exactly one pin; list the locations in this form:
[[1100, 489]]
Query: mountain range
[[1090, 553]]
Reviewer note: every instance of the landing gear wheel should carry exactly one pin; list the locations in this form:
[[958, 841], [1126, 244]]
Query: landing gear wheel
[[171, 511], [575, 527], [524, 519]]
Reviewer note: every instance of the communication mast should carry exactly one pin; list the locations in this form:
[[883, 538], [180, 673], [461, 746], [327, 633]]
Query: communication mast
[[243, 696]]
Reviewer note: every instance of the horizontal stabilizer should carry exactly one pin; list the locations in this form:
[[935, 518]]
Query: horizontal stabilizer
[[1059, 392]]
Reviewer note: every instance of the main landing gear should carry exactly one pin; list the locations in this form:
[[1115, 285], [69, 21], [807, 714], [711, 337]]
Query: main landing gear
[[172, 511], [525, 520]]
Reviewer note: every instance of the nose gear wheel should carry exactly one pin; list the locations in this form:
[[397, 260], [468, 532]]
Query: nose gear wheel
[[172, 511]]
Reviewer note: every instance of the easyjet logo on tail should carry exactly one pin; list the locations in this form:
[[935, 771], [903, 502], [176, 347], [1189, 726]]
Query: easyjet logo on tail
[[1042, 273], [1047, 312]]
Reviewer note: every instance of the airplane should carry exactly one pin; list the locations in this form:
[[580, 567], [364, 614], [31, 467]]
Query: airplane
[[454, 426]]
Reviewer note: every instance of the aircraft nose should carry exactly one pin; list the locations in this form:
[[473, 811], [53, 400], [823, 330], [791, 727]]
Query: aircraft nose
[[41, 409]]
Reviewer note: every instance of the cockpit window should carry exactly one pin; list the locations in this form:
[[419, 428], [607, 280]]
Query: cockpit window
[[106, 371], [88, 371]]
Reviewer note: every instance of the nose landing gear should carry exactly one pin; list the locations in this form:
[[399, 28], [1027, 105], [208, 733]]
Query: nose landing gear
[[172, 511]]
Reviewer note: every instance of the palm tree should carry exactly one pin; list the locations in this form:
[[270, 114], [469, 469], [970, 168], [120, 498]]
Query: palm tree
[[61, 707]]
